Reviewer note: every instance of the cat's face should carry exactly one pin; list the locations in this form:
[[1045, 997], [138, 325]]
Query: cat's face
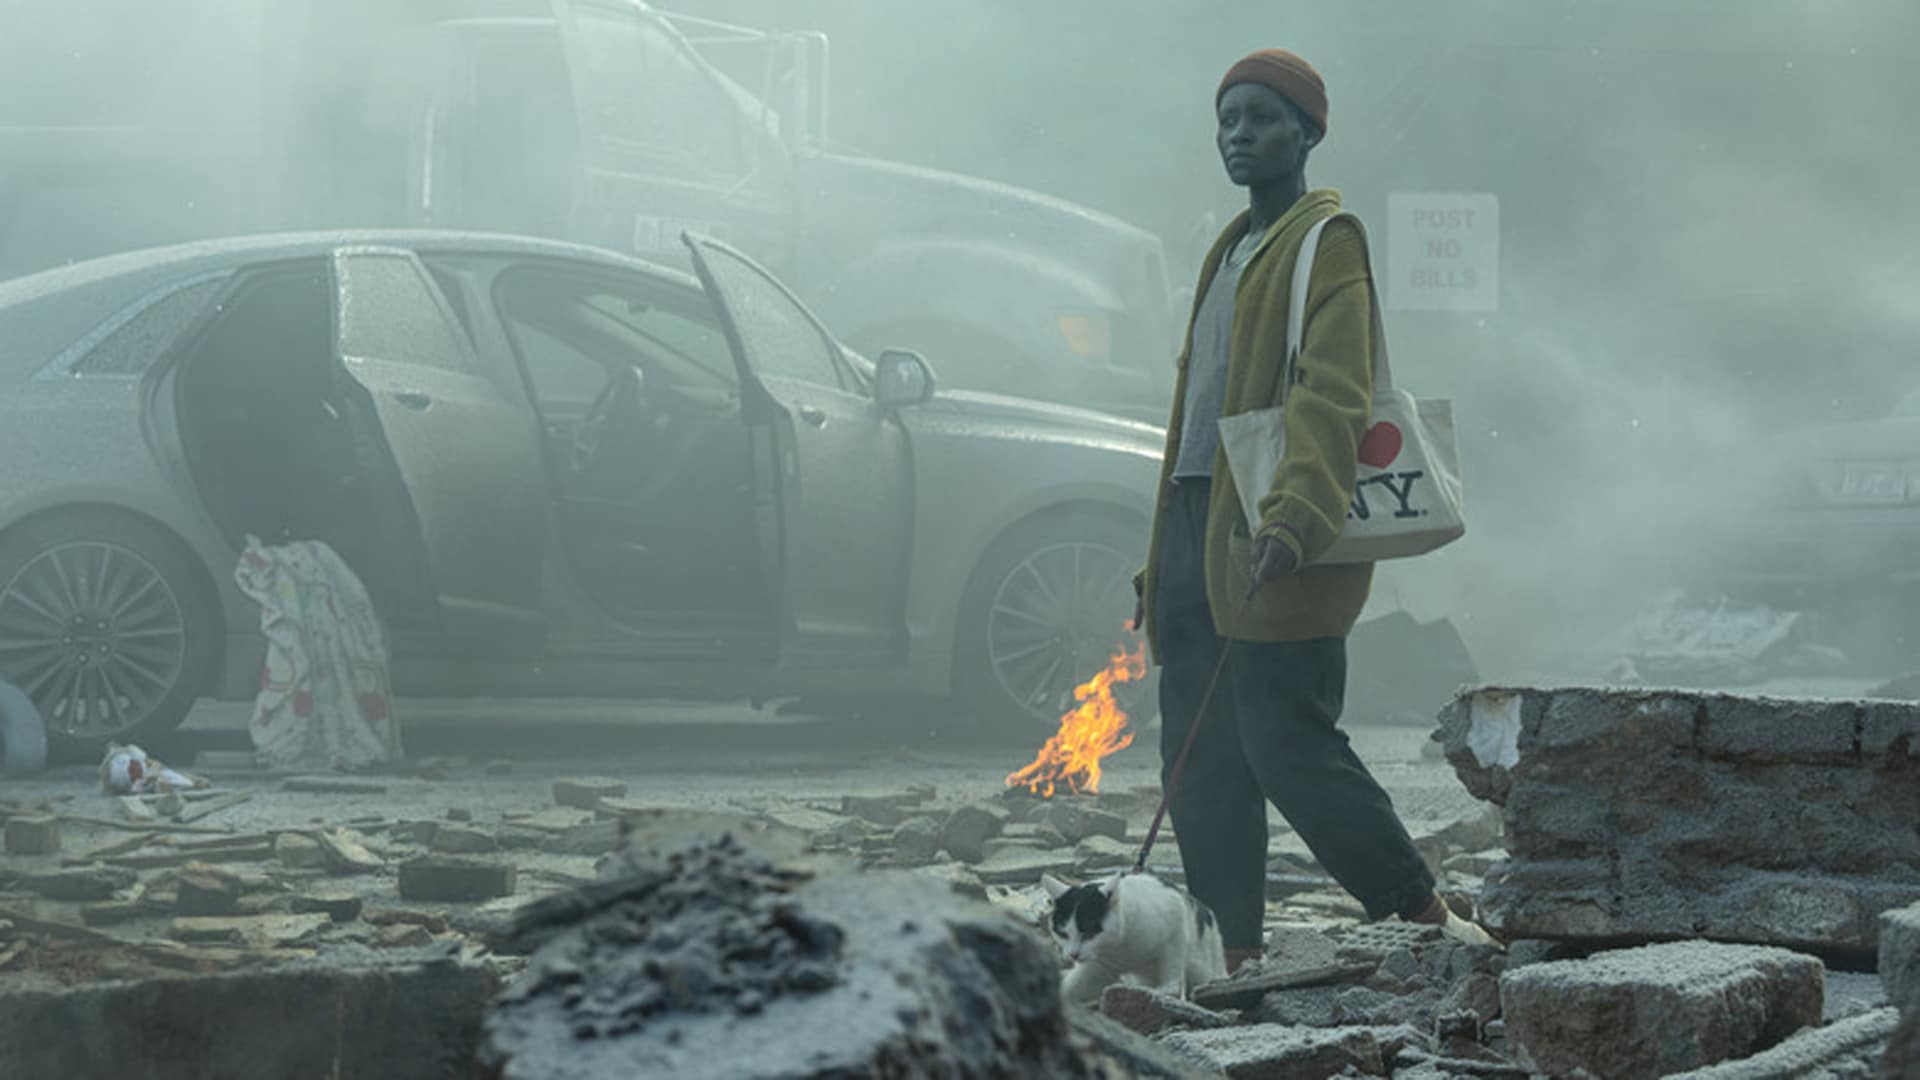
[[1081, 913]]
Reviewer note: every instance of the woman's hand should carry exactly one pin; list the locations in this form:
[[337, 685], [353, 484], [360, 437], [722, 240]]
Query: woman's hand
[[1272, 560]]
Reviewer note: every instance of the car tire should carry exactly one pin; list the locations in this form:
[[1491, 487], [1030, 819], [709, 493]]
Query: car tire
[[108, 624], [1035, 623]]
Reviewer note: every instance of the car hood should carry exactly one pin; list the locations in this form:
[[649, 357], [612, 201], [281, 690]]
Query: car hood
[[1057, 419]]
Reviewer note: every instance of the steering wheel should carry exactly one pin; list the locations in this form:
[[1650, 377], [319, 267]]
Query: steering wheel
[[590, 432]]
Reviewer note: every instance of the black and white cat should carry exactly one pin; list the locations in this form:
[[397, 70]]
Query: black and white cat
[[1133, 926]]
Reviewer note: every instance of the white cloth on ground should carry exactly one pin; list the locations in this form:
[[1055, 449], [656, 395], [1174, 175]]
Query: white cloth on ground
[[325, 697]]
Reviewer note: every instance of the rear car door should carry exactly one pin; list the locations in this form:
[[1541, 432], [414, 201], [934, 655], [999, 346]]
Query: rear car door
[[842, 474], [465, 450]]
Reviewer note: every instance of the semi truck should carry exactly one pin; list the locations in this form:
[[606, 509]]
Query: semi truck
[[606, 122]]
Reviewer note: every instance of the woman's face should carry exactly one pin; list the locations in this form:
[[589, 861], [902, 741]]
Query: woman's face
[[1261, 136]]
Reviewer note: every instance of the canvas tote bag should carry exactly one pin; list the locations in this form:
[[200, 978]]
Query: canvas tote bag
[[1406, 498]]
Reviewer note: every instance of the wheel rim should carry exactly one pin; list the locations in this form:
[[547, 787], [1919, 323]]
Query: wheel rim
[[95, 635], [1055, 619]]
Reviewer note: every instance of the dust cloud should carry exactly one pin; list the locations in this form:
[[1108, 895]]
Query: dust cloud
[[1705, 238]]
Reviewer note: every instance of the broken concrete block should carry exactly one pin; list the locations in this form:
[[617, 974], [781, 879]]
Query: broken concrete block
[[968, 829], [340, 907], [33, 835], [206, 890], [590, 838], [888, 810], [363, 1016], [250, 931], [1245, 991], [1307, 1006], [1150, 1012], [1373, 942], [1075, 820], [1899, 964], [1478, 993], [1658, 1009], [452, 878], [499, 767], [79, 883], [1105, 851], [344, 852], [404, 936], [856, 975], [585, 792], [460, 840], [385, 916], [917, 840], [1849, 1047], [1661, 815], [297, 852], [1272, 1052]]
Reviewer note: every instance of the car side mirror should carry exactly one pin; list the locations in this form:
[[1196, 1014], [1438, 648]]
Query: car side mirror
[[901, 378]]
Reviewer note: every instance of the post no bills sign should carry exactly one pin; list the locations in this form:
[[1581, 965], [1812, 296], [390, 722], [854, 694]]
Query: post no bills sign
[[1443, 252]]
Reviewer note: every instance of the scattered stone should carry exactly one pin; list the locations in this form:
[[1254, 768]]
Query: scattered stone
[[812, 822], [344, 852], [590, 838], [917, 840], [887, 810], [1310, 1006], [1900, 957], [404, 936], [1132, 1054], [521, 838], [1105, 851], [206, 890], [1272, 1052], [340, 907], [79, 883], [585, 792], [1658, 1009], [135, 808], [1022, 866], [962, 879], [1478, 993], [1848, 1048], [869, 975], [452, 878], [1535, 951], [33, 835], [385, 916], [459, 813], [1644, 815], [1076, 821], [111, 912], [298, 852], [458, 840], [207, 807], [968, 829], [1295, 948], [1850, 993], [499, 767], [1150, 1012], [333, 786], [252, 931]]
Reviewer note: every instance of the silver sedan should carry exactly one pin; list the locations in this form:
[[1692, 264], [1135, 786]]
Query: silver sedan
[[559, 472]]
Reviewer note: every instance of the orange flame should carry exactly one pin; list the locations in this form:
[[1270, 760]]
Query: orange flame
[[1096, 728]]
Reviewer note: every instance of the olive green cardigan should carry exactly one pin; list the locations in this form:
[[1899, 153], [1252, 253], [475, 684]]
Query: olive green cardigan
[[1326, 415]]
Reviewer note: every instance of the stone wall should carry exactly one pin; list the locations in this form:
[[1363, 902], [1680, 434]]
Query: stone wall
[[1640, 815]]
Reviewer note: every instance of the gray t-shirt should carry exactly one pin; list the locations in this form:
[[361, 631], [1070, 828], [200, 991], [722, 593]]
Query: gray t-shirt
[[1207, 365]]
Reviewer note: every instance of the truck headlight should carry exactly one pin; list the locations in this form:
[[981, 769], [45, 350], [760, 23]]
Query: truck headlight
[[1090, 336]]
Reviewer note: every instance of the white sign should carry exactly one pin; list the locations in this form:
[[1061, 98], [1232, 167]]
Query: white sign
[[1443, 252]]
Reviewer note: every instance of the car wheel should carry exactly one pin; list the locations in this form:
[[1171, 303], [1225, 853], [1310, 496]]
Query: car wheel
[[106, 623], [1046, 609]]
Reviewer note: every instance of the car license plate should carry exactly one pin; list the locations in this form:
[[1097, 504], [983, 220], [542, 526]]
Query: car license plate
[[1874, 483]]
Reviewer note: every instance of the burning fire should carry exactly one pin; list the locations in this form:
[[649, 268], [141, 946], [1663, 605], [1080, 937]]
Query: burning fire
[[1096, 728]]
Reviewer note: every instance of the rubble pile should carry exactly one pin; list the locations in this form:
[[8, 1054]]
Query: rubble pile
[[1638, 816], [671, 960]]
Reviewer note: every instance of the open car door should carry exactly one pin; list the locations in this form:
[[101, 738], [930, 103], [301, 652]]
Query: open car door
[[466, 453], [838, 466]]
